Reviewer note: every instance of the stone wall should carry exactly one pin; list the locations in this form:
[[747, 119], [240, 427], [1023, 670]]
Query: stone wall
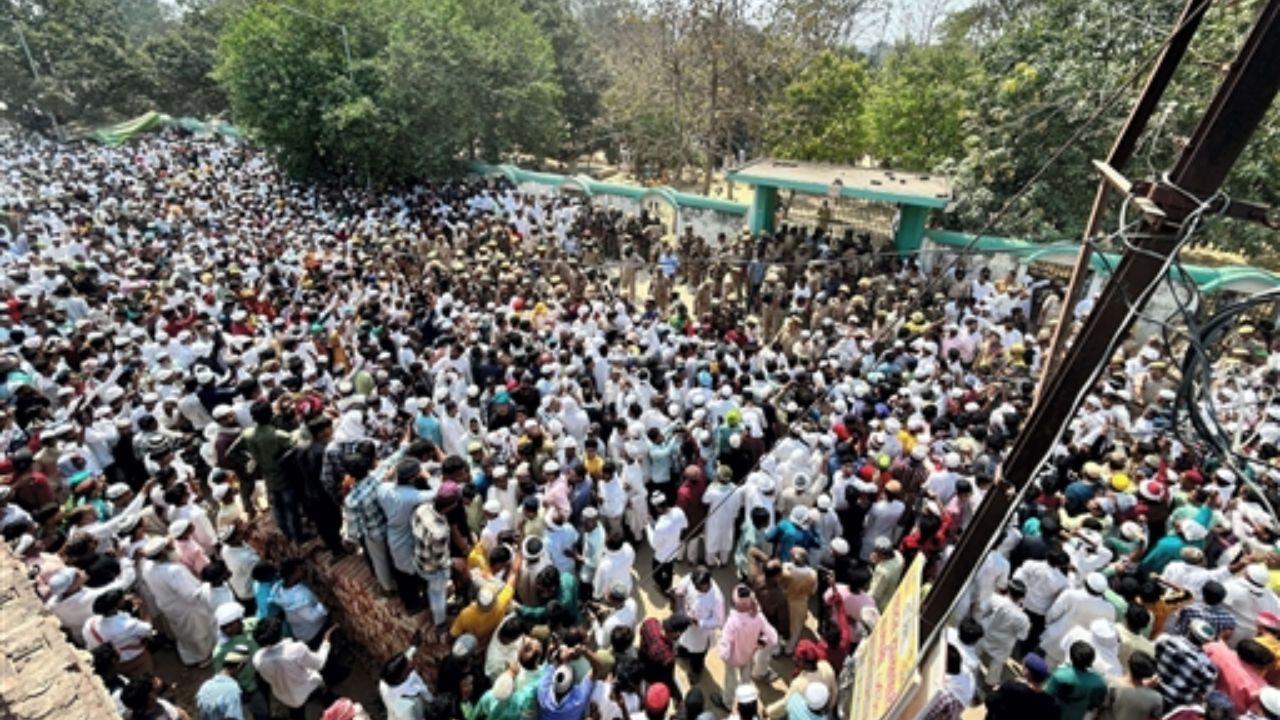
[[42, 675]]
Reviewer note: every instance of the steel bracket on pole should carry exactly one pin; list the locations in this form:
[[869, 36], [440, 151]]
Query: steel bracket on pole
[[1159, 200]]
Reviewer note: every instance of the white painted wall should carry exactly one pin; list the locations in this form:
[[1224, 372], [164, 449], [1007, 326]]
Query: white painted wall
[[710, 223]]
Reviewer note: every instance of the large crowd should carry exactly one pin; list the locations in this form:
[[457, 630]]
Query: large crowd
[[523, 412]]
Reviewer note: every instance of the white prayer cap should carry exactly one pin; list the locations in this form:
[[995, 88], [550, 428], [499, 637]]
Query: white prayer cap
[[227, 613], [1191, 530], [154, 545], [816, 695], [1270, 701], [1257, 574], [1096, 582]]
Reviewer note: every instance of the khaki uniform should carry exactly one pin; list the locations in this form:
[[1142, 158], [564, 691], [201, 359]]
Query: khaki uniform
[[627, 269]]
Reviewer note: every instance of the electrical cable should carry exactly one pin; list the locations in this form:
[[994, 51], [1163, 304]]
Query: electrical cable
[[1200, 409]]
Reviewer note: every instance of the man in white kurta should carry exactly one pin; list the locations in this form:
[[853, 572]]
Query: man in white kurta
[[1004, 625], [291, 669], [177, 595], [703, 603], [615, 567], [723, 502], [1075, 607], [71, 601]]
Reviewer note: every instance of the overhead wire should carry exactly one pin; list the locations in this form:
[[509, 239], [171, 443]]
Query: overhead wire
[[1200, 407], [969, 248]]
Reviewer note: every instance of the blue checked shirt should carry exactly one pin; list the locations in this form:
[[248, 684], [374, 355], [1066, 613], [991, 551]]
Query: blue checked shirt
[[1222, 620], [363, 511]]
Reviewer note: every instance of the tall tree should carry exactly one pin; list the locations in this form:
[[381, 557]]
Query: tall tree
[[76, 60], [1050, 68], [819, 115], [917, 104], [578, 69], [430, 83]]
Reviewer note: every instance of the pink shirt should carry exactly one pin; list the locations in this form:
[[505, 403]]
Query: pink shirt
[[1236, 680], [853, 605], [741, 637], [191, 555], [557, 496]]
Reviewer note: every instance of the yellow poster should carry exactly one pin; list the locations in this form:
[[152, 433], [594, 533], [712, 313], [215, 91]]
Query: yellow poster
[[886, 661]]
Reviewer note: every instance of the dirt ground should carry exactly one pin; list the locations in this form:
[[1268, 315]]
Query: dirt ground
[[362, 684]]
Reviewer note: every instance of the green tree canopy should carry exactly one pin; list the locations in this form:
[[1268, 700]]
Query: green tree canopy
[[84, 62], [1050, 66], [579, 71], [917, 105], [429, 82], [819, 115]]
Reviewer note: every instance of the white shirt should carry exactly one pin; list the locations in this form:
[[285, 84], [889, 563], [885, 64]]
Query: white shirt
[[613, 497], [193, 410], [304, 611], [406, 701], [614, 568], [664, 534], [292, 670], [76, 609], [125, 632], [1004, 624], [202, 529], [705, 611], [1043, 582], [882, 520], [623, 616], [240, 562], [1245, 600]]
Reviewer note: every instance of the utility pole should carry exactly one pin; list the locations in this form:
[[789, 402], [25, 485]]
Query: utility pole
[[1237, 108], [1121, 151]]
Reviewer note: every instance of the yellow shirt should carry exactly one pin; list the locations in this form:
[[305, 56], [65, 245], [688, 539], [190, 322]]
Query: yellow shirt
[[480, 622], [478, 559], [1272, 643]]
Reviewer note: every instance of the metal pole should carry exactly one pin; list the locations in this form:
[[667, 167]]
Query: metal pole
[[1121, 151], [35, 73], [346, 48], [346, 44], [1238, 107]]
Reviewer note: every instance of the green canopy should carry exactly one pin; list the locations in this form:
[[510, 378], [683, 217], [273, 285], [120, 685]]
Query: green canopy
[[152, 121], [122, 132]]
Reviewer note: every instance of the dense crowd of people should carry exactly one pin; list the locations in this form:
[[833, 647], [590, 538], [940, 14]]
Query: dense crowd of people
[[523, 412]]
